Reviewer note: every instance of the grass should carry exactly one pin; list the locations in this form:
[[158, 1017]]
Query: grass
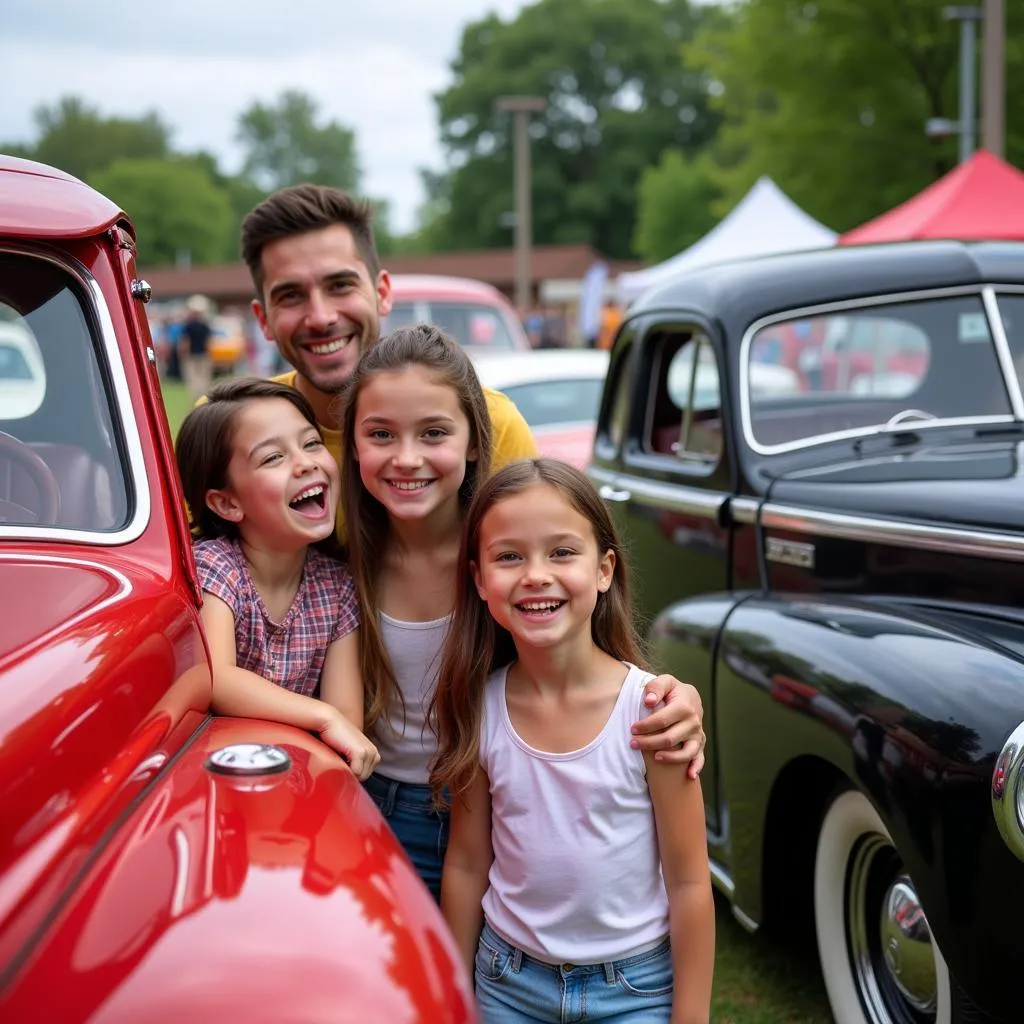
[[757, 980], [177, 402]]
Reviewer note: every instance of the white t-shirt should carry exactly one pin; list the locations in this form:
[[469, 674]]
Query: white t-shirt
[[415, 652], [577, 874]]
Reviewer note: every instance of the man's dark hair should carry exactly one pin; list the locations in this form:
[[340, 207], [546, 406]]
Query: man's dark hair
[[301, 208]]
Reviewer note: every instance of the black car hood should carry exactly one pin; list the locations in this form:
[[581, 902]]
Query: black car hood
[[978, 484]]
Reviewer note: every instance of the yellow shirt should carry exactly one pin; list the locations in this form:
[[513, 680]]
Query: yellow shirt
[[510, 435]]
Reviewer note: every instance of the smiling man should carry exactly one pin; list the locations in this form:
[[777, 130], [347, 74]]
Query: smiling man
[[320, 295]]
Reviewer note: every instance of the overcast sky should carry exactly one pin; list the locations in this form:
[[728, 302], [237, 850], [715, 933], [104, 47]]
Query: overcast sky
[[373, 65]]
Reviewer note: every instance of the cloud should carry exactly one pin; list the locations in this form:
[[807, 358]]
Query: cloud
[[373, 66]]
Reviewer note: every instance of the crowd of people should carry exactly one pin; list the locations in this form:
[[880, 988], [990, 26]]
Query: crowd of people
[[386, 562]]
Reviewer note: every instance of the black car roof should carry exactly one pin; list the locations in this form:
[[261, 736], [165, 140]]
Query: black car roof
[[741, 291]]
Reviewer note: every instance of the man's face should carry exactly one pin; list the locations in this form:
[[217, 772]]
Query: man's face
[[320, 304]]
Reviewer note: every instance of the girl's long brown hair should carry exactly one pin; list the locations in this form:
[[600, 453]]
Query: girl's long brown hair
[[476, 645], [366, 518]]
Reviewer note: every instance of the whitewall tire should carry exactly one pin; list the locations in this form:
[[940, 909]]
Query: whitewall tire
[[879, 963]]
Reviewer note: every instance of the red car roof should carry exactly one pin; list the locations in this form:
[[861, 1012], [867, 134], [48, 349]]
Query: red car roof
[[37, 201]]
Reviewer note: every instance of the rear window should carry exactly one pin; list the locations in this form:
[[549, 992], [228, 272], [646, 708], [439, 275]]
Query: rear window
[[472, 325], [60, 463], [548, 403]]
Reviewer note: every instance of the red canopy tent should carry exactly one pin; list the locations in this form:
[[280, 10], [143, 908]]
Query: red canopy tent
[[982, 198]]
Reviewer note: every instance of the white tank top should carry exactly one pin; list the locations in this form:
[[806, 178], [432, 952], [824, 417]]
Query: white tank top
[[408, 746], [577, 874]]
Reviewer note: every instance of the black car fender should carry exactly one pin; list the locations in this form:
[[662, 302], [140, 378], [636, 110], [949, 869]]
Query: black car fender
[[910, 711]]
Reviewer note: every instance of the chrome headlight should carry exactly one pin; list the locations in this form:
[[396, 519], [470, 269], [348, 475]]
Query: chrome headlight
[[1008, 793]]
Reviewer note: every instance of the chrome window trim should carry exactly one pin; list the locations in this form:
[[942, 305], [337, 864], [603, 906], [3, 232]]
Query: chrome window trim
[[125, 410], [871, 529], [995, 320], [953, 291]]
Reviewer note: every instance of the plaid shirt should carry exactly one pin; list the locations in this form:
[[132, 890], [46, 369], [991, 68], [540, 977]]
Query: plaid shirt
[[291, 652]]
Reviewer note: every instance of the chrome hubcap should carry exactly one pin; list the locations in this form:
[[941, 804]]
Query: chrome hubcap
[[907, 946], [890, 941]]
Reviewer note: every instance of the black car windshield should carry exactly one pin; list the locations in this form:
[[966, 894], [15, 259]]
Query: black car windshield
[[60, 465], [868, 368]]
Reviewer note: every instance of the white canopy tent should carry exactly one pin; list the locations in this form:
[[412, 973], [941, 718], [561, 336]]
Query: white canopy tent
[[764, 221]]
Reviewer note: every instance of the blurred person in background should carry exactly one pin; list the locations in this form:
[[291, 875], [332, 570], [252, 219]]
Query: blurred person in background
[[611, 321], [194, 346]]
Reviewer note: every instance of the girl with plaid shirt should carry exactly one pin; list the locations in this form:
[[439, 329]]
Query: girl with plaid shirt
[[281, 616]]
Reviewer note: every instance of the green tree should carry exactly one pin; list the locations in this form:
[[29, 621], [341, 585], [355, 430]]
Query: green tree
[[674, 205], [617, 98], [285, 144], [830, 99], [178, 210], [74, 137]]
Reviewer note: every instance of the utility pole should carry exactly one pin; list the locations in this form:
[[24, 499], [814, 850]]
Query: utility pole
[[521, 107], [968, 18], [993, 78]]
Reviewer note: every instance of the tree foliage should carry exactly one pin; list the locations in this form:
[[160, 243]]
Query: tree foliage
[[178, 210], [285, 144], [76, 138], [674, 205], [618, 95], [830, 99]]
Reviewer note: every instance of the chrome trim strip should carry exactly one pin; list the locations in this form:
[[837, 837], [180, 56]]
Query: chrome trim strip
[[978, 543], [746, 922], [138, 477], [743, 511], [835, 307], [721, 879], [691, 501], [996, 328]]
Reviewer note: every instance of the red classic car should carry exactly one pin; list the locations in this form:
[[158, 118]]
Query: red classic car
[[156, 863]]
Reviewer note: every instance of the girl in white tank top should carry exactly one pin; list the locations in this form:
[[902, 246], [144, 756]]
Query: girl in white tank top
[[576, 874]]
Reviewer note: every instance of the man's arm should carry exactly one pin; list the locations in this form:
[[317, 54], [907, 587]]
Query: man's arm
[[673, 733]]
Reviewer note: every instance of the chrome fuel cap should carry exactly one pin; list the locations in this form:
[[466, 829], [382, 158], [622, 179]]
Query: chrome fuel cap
[[248, 759]]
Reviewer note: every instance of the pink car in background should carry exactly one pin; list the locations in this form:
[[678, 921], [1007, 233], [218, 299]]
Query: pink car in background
[[476, 314]]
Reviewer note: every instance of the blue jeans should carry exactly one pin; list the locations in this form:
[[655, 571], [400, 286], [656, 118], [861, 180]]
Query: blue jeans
[[513, 988], [419, 826]]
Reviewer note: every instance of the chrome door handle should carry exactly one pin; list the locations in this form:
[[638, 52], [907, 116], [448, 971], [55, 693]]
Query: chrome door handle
[[610, 493]]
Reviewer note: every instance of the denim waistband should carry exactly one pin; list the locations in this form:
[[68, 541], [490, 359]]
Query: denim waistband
[[391, 791], [605, 967]]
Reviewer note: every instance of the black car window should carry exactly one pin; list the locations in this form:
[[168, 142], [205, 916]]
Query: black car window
[[1011, 308], [684, 408]]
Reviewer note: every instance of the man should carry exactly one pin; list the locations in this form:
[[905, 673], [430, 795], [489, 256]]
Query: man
[[320, 295]]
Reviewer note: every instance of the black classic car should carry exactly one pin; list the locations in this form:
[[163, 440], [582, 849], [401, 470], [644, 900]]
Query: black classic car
[[818, 462]]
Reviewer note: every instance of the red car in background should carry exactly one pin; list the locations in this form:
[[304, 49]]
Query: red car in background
[[157, 863], [475, 314]]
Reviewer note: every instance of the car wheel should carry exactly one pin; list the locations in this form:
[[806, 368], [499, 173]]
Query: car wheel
[[877, 955]]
